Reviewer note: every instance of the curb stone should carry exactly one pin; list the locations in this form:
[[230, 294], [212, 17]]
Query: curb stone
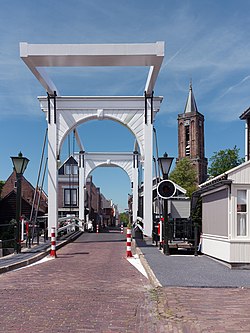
[[152, 278]]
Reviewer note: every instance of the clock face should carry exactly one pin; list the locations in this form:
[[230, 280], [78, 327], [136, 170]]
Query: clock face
[[186, 122]]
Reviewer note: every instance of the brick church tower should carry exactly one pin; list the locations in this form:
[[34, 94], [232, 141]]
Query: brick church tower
[[191, 137]]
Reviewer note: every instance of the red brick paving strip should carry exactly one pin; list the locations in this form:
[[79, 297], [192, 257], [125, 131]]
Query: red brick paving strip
[[216, 310], [91, 287]]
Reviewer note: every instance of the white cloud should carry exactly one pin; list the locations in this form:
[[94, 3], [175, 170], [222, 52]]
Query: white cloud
[[230, 89], [215, 59], [201, 44]]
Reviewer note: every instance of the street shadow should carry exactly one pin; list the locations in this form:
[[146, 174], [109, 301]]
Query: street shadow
[[142, 243], [101, 241], [69, 255], [75, 253]]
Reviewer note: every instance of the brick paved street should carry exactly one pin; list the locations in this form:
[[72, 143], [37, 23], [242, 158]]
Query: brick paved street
[[91, 287]]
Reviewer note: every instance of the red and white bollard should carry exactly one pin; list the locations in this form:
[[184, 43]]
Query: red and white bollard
[[53, 242], [160, 232], [122, 229], [129, 253], [97, 228], [22, 228]]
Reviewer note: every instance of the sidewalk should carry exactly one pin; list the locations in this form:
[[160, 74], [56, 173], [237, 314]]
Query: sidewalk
[[188, 270], [31, 255]]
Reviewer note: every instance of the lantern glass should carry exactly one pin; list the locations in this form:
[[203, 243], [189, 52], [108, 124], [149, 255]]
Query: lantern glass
[[20, 163], [165, 163]]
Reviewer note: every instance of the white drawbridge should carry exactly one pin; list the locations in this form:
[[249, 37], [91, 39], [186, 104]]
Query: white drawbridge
[[65, 113]]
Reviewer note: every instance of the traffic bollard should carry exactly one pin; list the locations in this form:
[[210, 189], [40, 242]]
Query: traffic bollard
[[53, 242], [129, 253]]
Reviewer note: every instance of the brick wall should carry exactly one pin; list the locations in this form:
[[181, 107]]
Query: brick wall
[[27, 194], [196, 139]]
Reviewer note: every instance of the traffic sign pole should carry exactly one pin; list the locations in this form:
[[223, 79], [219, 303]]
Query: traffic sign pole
[[166, 189]]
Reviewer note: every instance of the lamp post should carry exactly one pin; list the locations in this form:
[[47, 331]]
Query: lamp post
[[165, 165], [19, 163]]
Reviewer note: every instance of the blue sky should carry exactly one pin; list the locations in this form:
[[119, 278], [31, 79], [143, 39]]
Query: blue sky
[[208, 41]]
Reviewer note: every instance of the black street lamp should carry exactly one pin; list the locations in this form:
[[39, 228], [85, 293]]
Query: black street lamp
[[19, 163], [165, 165]]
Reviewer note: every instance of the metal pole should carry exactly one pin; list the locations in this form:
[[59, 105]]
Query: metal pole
[[39, 199], [195, 239], [165, 230], [39, 173], [18, 211], [166, 246]]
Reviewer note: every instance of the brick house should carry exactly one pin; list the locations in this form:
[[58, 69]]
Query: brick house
[[110, 212], [8, 199], [93, 200], [68, 185]]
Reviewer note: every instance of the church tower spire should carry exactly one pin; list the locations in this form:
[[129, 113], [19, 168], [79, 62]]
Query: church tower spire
[[190, 104], [191, 136]]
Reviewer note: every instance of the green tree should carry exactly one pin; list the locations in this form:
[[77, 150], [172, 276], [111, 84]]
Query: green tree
[[124, 218], [196, 213], [185, 175], [224, 160]]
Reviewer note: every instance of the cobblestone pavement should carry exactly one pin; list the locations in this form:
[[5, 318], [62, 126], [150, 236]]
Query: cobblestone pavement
[[91, 287], [202, 310]]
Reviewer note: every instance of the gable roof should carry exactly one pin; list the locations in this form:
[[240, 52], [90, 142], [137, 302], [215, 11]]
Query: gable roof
[[8, 207], [231, 175], [70, 160], [245, 114], [28, 191]]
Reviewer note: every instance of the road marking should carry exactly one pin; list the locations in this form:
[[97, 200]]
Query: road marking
[[135, 261]]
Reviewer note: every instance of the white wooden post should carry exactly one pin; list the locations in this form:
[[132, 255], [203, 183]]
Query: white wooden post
[[147, 184], [246, 140], [52, 169], [81, 188], [135, 186]]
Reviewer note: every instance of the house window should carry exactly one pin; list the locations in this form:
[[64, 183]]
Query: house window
[[71, 169], [67, 169], [74, 169], [241, 213], [70, 197]]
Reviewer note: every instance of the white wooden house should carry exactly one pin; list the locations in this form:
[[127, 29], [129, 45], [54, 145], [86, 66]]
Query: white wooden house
[[226, 215]]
